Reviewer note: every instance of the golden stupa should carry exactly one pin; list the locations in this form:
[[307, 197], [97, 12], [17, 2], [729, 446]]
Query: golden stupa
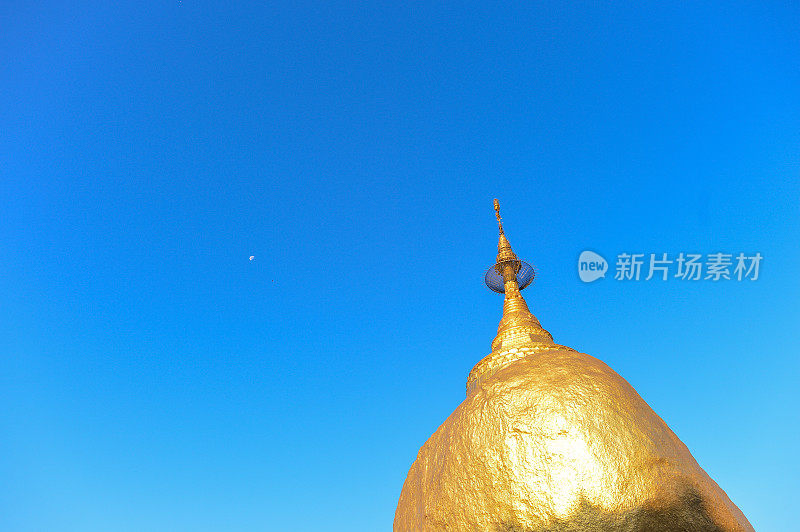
[[549, 439]]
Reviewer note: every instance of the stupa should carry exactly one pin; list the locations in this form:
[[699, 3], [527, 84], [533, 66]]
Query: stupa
[[550, 439]]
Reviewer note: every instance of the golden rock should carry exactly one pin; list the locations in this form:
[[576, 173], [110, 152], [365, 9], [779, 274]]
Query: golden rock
[[549, 439]]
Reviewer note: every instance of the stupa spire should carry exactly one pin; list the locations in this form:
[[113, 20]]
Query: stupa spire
[[518, 327]]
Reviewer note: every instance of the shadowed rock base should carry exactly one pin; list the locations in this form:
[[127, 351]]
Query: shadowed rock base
[[688, 515]]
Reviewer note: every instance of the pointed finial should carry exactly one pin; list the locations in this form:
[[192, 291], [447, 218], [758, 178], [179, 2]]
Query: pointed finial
[[497, 214]]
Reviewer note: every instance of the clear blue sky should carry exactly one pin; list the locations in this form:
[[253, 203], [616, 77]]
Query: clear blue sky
[[153, 378]]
